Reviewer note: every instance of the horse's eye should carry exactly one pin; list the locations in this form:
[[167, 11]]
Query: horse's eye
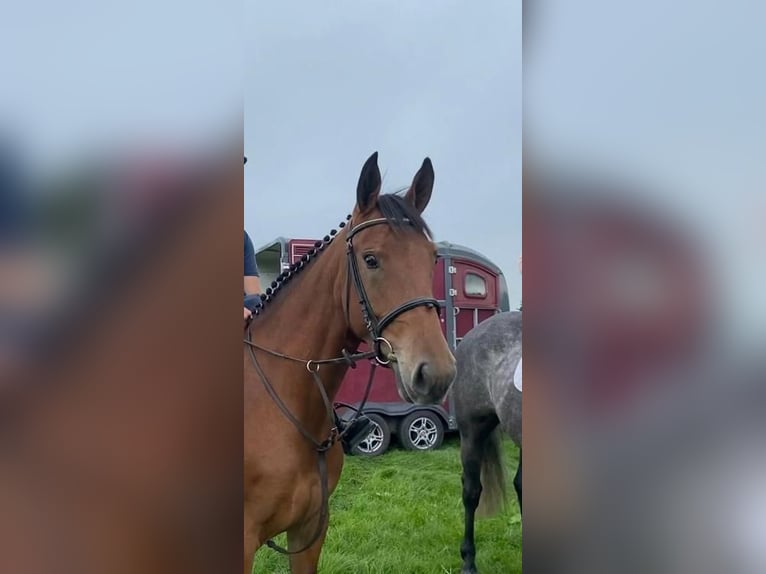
[[371, 261]]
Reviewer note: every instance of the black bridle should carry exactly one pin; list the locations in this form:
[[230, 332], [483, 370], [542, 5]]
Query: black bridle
[[375, 327]]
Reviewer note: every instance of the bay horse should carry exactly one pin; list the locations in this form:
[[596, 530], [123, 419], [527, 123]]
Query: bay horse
[[305, 336], [486, 404]]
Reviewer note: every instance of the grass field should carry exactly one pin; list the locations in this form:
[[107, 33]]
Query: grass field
[[401, 513]]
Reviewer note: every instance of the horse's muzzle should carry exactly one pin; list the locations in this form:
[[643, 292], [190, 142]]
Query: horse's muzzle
[[428, 383]]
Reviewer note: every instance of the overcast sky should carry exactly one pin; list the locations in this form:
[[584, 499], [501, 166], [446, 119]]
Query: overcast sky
[[326, 84]]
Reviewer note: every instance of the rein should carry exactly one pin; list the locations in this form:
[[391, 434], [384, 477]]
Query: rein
[[375, 328]]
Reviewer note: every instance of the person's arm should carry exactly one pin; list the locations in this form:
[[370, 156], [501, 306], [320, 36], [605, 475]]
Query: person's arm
[[252, 277], [252, 283]]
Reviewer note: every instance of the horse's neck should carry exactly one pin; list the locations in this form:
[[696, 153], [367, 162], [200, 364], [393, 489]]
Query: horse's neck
[[308, 320]]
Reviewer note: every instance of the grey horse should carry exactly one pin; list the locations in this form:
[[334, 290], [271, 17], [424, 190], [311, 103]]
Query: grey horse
[[487, 404]]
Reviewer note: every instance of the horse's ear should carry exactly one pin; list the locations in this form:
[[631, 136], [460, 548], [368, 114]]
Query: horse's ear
[[419, 193], [368, 188]]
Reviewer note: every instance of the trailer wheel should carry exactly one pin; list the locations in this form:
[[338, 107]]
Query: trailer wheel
[[422, 430], [376, 443]]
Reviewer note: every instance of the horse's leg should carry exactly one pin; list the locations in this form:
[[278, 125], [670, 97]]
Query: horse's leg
[[306, 562], [517, 481], [298, 536], [252, 540], [472, 445]]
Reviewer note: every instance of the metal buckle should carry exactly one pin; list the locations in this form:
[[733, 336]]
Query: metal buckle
[[379, 357]]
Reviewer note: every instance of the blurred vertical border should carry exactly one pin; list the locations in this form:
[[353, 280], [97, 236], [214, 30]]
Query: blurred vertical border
[[644, 318], [120, 272]]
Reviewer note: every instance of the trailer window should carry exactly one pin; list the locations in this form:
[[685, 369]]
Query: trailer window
[[475, 286]]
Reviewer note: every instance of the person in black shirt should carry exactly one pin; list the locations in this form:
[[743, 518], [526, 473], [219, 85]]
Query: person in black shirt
[[252, 283], [252, 277]]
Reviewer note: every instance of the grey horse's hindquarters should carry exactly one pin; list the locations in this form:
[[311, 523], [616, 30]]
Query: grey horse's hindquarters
[[486, 362], [510, 416], [471, 397]]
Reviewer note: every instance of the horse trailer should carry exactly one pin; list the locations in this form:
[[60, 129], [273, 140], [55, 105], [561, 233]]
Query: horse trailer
[[469, 287]]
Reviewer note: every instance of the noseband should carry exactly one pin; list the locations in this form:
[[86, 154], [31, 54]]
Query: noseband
[[376, 326]]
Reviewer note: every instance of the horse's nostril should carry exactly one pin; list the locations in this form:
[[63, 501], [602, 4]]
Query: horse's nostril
[[420, 380], [431, 382]]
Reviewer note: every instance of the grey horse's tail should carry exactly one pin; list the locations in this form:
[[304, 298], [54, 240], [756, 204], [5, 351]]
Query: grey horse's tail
[[493, 492]]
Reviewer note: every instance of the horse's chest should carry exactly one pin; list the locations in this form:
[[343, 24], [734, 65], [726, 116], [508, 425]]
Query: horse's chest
[[287, 491]]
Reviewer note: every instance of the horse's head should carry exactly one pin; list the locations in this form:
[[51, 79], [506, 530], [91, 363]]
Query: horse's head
[[393, 257]]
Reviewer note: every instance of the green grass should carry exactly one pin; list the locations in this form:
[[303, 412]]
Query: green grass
[[401, 513]]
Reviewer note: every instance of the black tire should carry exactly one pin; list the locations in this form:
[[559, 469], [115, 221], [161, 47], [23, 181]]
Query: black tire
[[421, 430], [378, 441]]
